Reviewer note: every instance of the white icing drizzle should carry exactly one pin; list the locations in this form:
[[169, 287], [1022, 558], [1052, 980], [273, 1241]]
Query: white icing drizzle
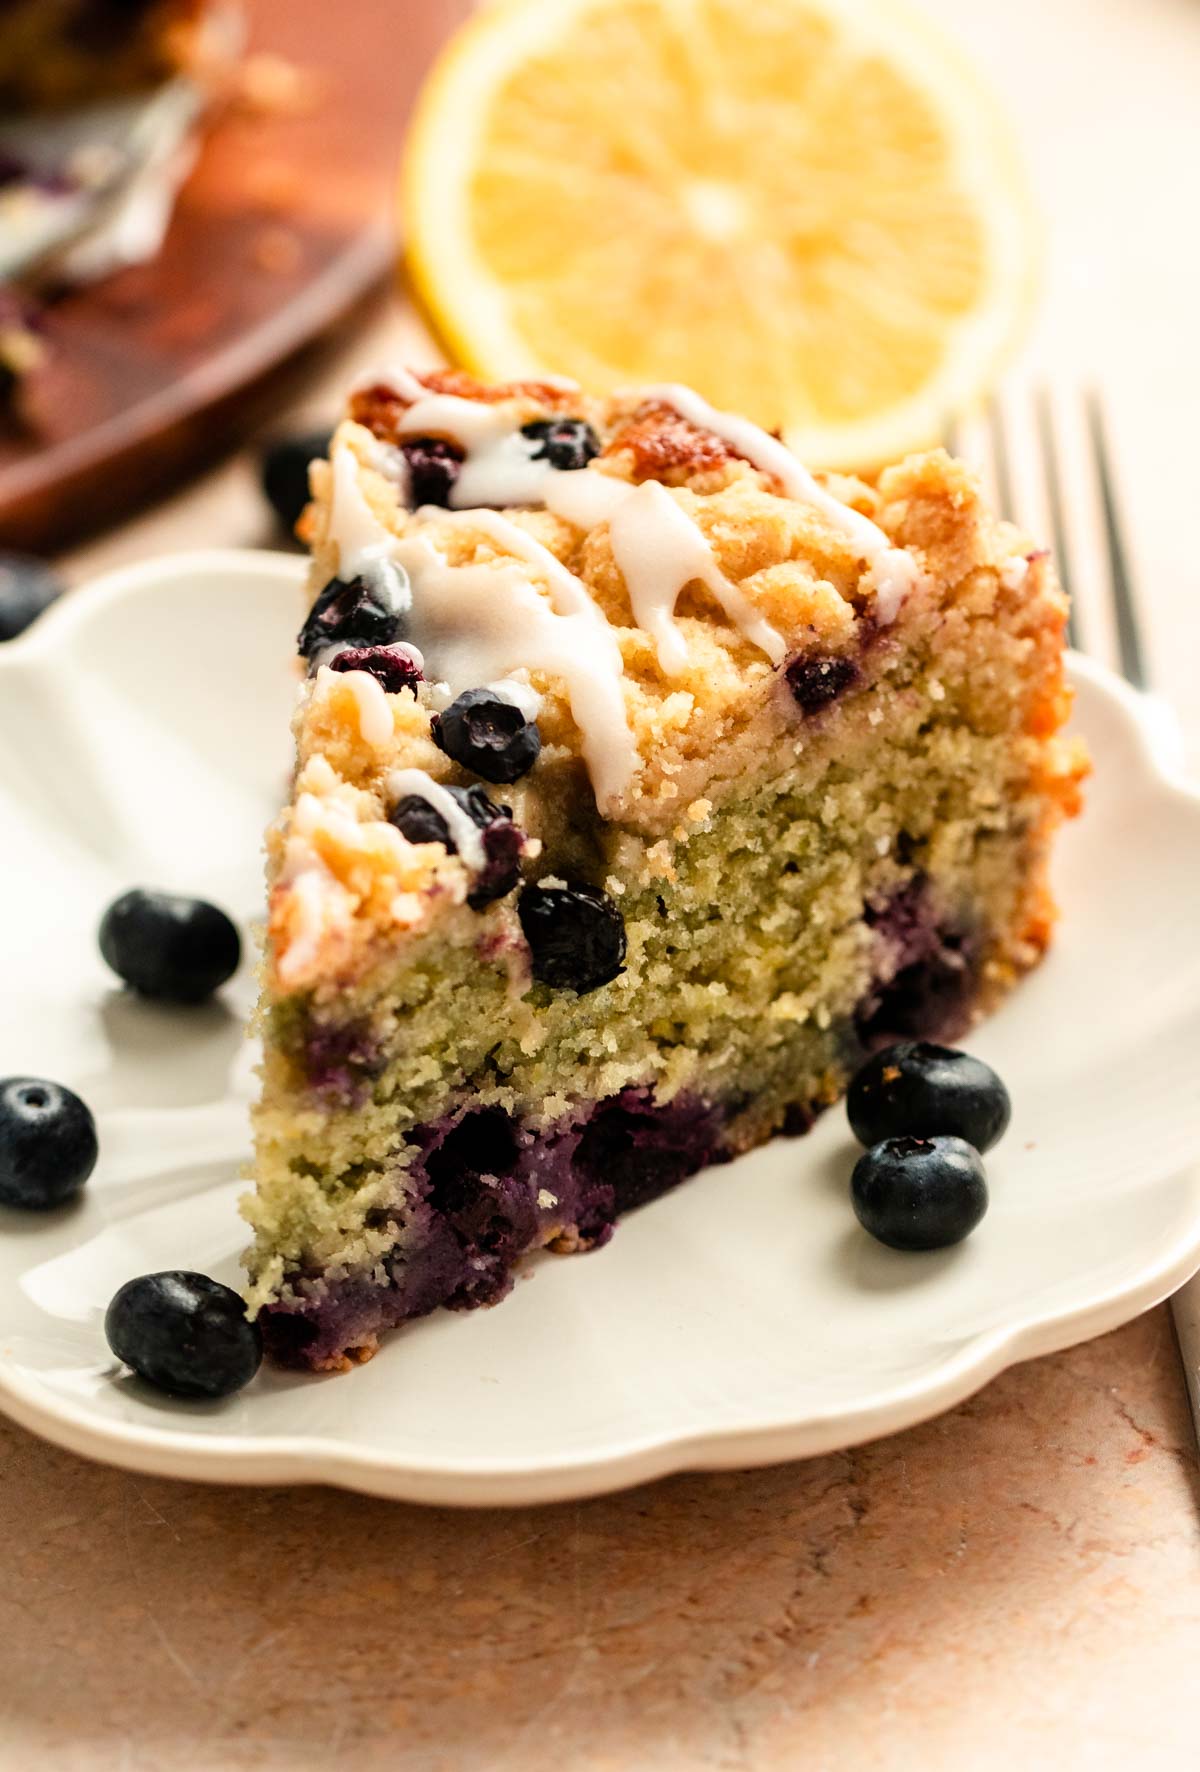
[[658, 550], [893, 571], [499, 468], [481, 622], [520, 691], [467, 836], [584, 496], [569, 594], [374, 710], [363, 543]]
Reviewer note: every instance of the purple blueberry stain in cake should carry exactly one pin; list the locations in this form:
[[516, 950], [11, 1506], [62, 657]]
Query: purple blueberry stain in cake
[[637, 1149], [926, 970], [485, 1188], [503, 847], [341, 1060], [816, 683], [433, 466], [393, 667]]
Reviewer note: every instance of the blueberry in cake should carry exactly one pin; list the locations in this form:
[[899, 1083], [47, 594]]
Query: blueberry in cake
[[645, 784]]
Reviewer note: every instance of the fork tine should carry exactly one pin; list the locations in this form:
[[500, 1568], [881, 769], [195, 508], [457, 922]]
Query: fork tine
[[951, 435], [1054, 502], [1129, 640], [1000, 467]]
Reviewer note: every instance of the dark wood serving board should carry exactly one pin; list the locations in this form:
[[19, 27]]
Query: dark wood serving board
[[287, 222]]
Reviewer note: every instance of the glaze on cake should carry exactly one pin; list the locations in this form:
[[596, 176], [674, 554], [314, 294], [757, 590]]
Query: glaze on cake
[[778, 753]]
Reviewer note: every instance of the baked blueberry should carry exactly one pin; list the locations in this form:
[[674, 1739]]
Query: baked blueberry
[[361, 613], [487, 735], [816, 683], [169, 946], [433, 468], [420, 822], [918, 1089], [392, 666], [502, 840], [576, 936], [564, 442], [48, 1143], [184, 1333], [283, 470], [27, 586], [919, 1193]]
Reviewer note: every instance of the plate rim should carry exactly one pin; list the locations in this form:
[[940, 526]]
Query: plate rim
[[637, 1458]]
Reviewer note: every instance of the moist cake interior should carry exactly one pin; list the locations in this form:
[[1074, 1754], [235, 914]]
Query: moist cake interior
[[829, 826]]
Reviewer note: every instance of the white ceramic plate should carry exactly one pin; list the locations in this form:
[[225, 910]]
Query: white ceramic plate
[[745, 1318]]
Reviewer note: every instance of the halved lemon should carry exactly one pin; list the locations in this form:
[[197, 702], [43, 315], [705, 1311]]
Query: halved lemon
[[810, 210]]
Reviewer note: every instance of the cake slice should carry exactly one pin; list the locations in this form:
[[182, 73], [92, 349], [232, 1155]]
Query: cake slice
[[644, 783]]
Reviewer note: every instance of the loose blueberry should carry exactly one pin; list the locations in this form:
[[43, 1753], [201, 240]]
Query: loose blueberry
[[391, 666], [362, 613], [564, 442], [576, 936], [502, 840], [283, 469], [185, 1333], [47, 1143], [433, 467], [920, 1090], [169, 946], [27, 586], [919, 1193], [489, 736], [817, 682]]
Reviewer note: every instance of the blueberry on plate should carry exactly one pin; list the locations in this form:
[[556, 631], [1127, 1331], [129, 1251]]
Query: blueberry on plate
[[27, 586], [488, 735], [283, 470], [576, 936], [184, 1333], [169, 946], [433, 469], [358, 611], [565, 443], [919, 1089], [503, 842], [48, 1143], [919, 1193]]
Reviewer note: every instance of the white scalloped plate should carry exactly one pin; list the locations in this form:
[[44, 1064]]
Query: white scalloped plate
[[745, 1318]]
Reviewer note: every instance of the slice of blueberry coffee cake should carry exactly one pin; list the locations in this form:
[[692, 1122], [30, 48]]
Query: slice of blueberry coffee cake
[[644, 783]]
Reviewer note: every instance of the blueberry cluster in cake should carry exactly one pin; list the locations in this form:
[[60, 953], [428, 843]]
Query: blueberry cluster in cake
[[645, 783]]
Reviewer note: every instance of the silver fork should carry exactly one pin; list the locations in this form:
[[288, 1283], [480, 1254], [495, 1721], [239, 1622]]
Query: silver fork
[[1018, 446]]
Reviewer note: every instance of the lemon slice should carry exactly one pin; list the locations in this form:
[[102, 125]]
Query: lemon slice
[[807, 209]]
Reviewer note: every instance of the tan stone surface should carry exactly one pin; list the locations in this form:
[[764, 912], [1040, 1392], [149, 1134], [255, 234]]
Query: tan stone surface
[[1018, 1581]]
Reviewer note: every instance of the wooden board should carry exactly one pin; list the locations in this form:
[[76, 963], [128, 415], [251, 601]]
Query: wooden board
[[287, 222]]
